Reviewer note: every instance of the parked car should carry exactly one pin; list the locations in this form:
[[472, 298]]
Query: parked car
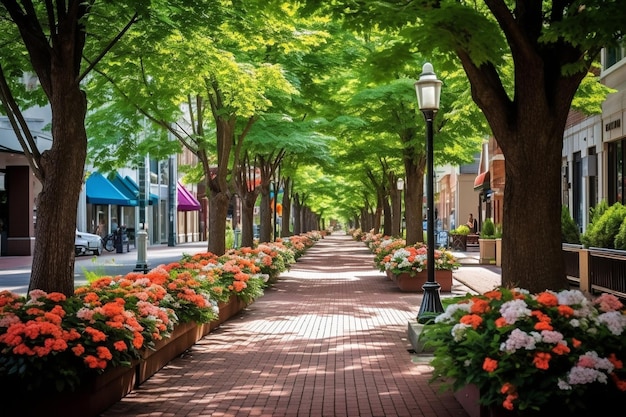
[[87, 243]]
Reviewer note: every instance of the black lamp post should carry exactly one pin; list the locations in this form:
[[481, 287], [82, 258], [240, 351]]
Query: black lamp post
[[428, 89], [400, 187]]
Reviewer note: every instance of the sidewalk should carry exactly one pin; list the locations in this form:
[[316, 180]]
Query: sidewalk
[[153, 251], [328, 339]]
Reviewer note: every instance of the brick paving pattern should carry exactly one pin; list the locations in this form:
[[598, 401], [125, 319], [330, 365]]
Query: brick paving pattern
[[328, 339]]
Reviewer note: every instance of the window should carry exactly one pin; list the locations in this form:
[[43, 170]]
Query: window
[[616, 172], [612, 55]]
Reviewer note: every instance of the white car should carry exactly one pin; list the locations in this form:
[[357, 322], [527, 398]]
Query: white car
[[87, 243]]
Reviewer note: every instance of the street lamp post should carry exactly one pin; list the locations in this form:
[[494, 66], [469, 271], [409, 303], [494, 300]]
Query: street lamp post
[[400, 187], [428, 89]]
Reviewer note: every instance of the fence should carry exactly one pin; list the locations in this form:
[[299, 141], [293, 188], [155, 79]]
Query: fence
[[596, 270]]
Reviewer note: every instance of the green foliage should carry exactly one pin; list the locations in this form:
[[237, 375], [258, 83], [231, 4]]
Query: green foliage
[[461, 230], [605, 227], [569, 228], [596, 212], [488, 230], [230, 235], [620, 238]]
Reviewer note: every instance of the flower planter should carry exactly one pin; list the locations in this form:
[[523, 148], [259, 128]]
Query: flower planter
[[487, 251], [459, 242], [408, 283], [182, 338], [94, 395], [499, 251], [100, 392]]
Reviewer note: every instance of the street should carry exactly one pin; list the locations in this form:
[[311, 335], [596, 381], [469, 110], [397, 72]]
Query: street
[[15, 270]]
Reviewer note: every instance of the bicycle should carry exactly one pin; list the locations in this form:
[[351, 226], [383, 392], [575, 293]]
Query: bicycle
[[108, 242]]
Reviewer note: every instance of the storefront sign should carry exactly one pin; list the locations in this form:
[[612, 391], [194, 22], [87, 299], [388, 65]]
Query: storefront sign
[[613, 125]]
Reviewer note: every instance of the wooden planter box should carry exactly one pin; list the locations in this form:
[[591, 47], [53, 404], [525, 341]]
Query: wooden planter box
[[100, 392], [95, 395], [459, 242], [408, 283]]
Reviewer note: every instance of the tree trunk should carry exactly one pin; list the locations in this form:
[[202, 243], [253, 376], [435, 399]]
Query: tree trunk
[[218, 210], [387, 216], [62, 167], [396, 211], [297, 215], [413, 200], [247, 219], [265, 213], [532, 255], [285, 230]]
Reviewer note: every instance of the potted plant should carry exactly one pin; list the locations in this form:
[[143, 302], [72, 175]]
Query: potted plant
[[487, 242], [551, 353], [408, 267], [459, 237], [386, 247]]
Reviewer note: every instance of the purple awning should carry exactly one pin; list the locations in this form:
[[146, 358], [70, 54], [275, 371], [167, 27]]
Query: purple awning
[[186, 200]]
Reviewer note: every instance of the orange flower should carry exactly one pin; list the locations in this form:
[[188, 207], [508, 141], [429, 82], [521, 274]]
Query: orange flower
[[500, 322], [479, 306], [490, 365], [137, 340], [78, 350], [473, 320], [57, 297], [565, 311], [104, 353], [618, 364], [541, 360], [96, 335], [547, 299], [560, 349]]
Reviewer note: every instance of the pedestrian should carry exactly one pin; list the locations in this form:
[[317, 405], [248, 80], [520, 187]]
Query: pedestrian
[[101, 230], [472, 223]]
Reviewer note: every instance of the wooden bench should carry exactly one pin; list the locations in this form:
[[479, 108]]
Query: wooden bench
[[472, 239]]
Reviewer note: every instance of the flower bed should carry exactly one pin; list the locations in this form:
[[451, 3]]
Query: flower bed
[[553, 352], [51, 344]]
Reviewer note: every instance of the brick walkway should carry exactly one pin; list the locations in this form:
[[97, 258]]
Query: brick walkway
[[329, 339]]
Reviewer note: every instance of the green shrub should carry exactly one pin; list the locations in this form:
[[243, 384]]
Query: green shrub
[[620, 239], [596, 212], [605, 227], [488, 230], [569, 228], [461, 230]]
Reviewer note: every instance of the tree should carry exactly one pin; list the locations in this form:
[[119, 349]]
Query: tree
[[232, 79], [54, 38], [525, 62]]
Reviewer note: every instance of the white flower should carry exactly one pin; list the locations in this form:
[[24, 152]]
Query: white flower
[[615, 321], [458, 331], [512, 310], [519, 339]]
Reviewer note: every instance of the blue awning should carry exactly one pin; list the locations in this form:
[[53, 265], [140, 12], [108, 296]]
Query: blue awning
[[100, 190], [126, 188], [153, 198]]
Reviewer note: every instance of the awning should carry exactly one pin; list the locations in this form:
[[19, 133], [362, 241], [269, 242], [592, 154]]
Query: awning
[[125, 188], [186, 200], [100, 190], [152, 199], [482, 182]]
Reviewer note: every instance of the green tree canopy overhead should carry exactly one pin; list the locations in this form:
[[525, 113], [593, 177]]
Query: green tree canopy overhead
[[525, 62], [60, 42]]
